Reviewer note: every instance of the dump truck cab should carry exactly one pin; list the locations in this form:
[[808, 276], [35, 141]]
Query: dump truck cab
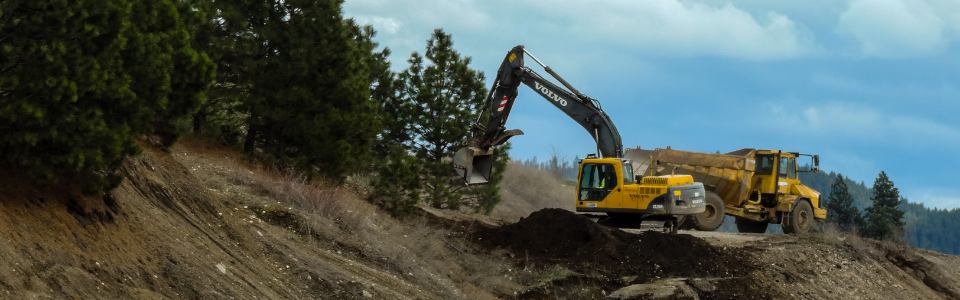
[[608, 185], [777, 187]]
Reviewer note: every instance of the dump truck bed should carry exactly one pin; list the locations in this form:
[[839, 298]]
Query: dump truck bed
[[726, 175]]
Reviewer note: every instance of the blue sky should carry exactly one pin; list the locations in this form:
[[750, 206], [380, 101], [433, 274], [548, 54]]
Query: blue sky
[[867, 85]]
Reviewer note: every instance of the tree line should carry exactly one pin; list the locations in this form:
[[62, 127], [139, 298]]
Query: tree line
[[880, 212], [557, 165], [290, 82]]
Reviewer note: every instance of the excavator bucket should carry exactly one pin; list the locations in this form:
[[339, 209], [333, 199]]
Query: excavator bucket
[[474, 164]]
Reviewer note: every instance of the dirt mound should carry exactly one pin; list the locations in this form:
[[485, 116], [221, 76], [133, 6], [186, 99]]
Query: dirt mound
[[561, 237]]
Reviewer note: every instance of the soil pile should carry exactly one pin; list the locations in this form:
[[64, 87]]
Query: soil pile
[[556, 236]]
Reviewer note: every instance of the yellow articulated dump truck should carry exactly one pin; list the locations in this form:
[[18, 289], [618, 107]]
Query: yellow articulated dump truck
[[758, 187]]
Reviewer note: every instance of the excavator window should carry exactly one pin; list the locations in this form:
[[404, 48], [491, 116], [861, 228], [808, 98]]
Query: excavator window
[[596, 181], [627, 174], [598, 176]]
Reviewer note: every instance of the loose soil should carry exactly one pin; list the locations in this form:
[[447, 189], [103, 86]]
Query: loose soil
[[556, 236]]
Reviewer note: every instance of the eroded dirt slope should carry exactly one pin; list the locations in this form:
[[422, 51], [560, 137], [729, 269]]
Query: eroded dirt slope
[[184, 225]]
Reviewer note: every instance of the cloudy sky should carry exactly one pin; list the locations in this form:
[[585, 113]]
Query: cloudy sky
[[867, 85]]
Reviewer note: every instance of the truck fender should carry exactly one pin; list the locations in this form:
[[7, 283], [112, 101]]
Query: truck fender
[[796, 201]]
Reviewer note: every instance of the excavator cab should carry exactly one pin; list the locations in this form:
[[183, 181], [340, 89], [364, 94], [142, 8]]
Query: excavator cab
[[597, 180], [606, 185]]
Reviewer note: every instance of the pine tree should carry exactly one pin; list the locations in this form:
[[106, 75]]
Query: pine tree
[[447, 95], [884, 220], [169, 76], [309, 90], [230, 35], [396, 113], [397, 185], [79, 80], [840, 207]]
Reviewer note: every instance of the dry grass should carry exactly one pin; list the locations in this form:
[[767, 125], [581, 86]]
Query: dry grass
[[526, 190], [831, 234], [433, 258]]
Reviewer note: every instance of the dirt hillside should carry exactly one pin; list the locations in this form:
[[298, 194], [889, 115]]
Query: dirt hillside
[[201, 223], [198, 223]]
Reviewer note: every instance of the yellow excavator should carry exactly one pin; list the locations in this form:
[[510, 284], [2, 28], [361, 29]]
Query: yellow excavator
[[605, 182]]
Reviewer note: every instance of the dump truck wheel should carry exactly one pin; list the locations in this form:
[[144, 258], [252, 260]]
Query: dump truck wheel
[[712, 216], [751, 226], [801, 219]]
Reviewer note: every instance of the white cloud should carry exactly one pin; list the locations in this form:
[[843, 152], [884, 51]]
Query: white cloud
[[381, 24], [858, 123], [424, 14], [656, 27], [934, 197], [900, 28], [669, 27]]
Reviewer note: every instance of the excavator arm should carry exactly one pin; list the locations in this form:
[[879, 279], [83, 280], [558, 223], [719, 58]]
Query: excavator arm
[[474, 162]]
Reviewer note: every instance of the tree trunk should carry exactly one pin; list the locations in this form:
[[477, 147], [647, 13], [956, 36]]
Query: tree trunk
[[199, 122], [251, 132]]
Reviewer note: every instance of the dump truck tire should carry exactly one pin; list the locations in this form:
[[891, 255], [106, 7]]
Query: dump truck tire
[[751, 226], [712, 216], [801, 219]]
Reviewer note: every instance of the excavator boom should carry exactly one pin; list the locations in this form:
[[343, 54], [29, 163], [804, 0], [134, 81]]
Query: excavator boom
[[474, 161]]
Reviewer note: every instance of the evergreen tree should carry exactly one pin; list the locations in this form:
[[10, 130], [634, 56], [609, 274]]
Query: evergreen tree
[[396, 113], [79, 80], [231, 35], [169, 76], [397, 185], [884, 220], [309, 90], [447, 95], [840, 207]]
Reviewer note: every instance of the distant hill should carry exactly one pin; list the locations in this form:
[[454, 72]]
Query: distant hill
[[929, 228]]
